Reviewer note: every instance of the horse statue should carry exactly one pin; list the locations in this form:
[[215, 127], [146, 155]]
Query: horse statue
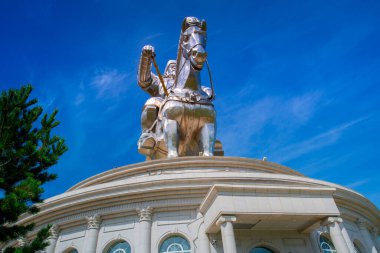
[[179, 119]]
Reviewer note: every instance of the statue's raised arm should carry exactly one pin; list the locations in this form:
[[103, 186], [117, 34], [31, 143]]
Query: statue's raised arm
[[146, 79]]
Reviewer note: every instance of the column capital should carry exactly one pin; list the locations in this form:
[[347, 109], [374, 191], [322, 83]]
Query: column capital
[[225, 218], [145, 214], [93, 222], [330, 220], [20, 242], [362, 223], [375, 231], [54, 229]]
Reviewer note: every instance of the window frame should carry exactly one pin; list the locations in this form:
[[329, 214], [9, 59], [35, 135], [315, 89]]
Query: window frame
[[164, 239]]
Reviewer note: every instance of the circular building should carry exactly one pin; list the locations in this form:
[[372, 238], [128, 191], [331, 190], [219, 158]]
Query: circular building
[[208, 205]]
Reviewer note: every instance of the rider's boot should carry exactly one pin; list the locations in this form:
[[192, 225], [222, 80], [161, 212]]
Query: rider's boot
[[147, 139], [146, 143]]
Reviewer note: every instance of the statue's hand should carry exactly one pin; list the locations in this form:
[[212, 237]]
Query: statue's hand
[[148, 51]]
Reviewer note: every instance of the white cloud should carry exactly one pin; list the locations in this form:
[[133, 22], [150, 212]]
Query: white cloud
[[152, 36], [329, 137], [358, 183], [243, 121], [303, 107], [110, 84]]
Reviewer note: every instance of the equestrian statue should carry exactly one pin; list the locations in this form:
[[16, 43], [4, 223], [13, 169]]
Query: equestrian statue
[[179, 119]]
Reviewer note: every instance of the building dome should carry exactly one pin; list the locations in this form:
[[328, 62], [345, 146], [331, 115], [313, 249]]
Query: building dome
[[208, 204]]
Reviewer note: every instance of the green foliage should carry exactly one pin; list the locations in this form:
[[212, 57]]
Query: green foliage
[[27, 150]]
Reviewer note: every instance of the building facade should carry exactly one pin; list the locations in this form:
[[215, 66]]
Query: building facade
[[208, 205]]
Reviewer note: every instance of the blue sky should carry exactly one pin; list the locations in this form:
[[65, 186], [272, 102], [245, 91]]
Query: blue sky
[[296, 81]]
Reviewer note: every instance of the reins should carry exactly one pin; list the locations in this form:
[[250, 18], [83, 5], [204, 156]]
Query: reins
[[162, 79], [187, 53], [159, 75]]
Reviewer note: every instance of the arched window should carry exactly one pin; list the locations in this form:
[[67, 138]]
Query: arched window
[[261, 250], [358, 247], [120, 247], [326, 245], [175, 244], [71, 251]]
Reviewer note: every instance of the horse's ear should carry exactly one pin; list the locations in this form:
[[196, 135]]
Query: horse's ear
[[185, 25], [204, 25]]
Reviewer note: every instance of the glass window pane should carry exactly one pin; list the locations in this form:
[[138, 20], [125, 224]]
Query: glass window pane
[[357, 249], [326, 245], [120, 247], [260, 250], [175, 244]]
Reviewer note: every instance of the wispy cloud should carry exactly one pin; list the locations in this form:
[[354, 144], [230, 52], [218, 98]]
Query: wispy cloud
[[242, 121], [329, 137], [79, 99], [110, 84], [151, 37], [358, 183], [321, 165]]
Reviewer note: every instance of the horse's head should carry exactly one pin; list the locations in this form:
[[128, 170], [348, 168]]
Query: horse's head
[[193, 41]]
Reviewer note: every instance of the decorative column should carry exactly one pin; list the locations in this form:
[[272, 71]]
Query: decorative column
[[369, 244], [336, 235], [204, 242], [375, 235], [91, 238], [145, 229], [314, 241], [228, 236], [52, 239], [349, 242]]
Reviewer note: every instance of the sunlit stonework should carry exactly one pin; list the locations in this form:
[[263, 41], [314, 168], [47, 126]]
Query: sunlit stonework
[[197, 202]]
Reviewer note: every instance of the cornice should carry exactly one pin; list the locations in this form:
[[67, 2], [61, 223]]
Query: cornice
[[214, 162], [186, 179]]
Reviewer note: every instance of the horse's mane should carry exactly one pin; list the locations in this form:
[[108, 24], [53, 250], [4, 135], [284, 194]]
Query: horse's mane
[[186, 23], [179, 53]]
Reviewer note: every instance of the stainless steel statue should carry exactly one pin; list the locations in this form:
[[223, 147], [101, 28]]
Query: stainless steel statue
[[179, 119]]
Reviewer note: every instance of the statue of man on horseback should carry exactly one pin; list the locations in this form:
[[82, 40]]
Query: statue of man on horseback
[[179, 119]]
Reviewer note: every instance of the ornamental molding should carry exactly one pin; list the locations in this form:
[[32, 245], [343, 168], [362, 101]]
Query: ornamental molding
[[225, 218], [54, 230], [375, 231], [20, 242], [93, 222], [127, 208], [145, 214], [218, 163], [331, 220], [362, 224]]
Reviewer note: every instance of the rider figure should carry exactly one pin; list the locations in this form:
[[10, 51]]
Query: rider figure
[[151, 84]]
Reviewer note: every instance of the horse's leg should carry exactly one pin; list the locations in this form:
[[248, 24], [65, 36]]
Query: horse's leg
[[208, 139], [171, 135]]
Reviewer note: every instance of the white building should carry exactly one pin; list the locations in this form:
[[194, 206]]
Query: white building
[[208, 205]]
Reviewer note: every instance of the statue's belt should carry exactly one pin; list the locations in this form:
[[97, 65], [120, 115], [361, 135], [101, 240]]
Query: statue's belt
[[189, 98]]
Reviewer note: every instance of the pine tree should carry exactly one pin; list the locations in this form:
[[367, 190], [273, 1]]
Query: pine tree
[[27, 150]]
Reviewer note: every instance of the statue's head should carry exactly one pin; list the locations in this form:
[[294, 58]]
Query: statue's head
[[170, 69], [193, 41]]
